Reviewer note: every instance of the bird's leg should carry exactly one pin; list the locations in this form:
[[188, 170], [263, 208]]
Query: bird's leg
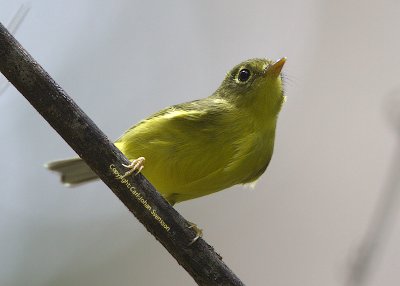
[[199, 232], [137, 164]]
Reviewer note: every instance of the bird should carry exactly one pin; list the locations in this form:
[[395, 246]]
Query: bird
[[200, 147]]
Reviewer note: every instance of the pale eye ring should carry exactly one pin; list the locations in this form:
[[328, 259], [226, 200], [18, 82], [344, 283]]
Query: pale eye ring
[[244, 75]]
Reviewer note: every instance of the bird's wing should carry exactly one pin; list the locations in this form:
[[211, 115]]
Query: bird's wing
[[182, 143]]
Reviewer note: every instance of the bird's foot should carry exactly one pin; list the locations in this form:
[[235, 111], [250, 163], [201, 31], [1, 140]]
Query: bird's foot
[[199, 232], [137, 164]]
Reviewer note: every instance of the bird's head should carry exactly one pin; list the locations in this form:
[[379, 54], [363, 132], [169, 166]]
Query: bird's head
[[256, 84]]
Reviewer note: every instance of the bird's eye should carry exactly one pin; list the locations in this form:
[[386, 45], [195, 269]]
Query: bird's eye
[[244, 75]]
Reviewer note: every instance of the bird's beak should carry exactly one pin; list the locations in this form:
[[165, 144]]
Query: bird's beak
[[275, 69]]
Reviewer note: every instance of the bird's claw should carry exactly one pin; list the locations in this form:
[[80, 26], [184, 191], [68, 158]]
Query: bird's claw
[[199, 232], [137, 164]]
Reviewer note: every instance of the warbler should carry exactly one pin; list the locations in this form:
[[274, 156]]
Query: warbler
[[201, 147]]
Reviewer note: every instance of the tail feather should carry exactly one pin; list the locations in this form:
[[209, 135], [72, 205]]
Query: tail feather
[[73, 171]]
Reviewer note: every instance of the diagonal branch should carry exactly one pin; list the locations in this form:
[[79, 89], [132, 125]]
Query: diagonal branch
[[12, 27], [138, 195]]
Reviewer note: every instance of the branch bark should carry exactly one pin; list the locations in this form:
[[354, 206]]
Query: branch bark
[[89, 142]]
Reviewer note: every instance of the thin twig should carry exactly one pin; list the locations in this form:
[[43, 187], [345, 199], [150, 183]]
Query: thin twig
[[381, 223], [79, 131]]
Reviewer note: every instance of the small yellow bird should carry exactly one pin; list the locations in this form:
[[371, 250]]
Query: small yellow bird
[[203, 146]]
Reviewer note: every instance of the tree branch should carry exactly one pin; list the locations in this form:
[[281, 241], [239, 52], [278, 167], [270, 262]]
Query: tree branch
[[138, 195]]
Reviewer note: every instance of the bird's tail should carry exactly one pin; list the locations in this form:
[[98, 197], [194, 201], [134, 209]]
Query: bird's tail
[[73, 171]]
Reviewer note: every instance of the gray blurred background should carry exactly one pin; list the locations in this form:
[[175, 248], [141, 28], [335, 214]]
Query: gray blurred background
[[123, 60]]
